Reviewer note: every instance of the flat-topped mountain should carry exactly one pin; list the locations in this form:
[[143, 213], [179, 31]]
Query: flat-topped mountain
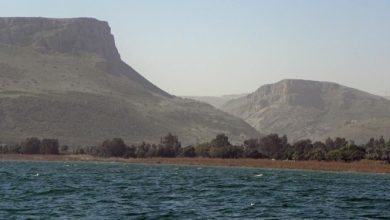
[[64, 78], [311, 109], [75, 35]]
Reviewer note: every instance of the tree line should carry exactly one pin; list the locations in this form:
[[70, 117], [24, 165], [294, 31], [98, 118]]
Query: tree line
[[32, 145], [271, 146]]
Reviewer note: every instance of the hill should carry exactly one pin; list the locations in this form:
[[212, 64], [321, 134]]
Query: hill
[[64, 78], [216, 101], [312, 109]]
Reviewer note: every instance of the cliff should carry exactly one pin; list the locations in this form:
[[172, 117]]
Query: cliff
[[64, 78]]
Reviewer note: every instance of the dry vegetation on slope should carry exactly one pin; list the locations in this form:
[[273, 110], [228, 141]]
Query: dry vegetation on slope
[[310, 109], [63, 78]]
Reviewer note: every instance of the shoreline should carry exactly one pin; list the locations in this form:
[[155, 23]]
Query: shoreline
[[359, 166]]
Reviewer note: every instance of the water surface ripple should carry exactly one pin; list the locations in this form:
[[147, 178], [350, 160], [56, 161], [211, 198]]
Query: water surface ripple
[[46, 190]]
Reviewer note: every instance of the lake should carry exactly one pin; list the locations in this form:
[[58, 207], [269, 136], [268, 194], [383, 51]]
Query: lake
[[126, 191]]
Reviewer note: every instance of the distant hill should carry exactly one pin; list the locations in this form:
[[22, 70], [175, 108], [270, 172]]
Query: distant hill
[[312, 109], [216, 101], [64, 78]]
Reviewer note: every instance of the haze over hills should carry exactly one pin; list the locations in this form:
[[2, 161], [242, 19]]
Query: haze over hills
[[64, 78], [216, 101], [312, 109]]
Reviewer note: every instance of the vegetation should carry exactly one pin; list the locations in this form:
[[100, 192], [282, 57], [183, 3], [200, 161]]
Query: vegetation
[[270, 146], [32, 145]]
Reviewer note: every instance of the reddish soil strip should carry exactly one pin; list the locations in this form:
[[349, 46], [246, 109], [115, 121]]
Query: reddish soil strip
[[360, 166]]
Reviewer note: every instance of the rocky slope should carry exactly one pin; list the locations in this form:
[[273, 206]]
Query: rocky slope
[[311, 109], [64, 78]]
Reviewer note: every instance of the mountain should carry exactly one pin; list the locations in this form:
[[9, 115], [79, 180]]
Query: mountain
[[64, 78], [312, 109], [216, 101]]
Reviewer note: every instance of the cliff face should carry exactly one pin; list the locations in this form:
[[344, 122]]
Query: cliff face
[[73, 36], [64, 78], [76, 35], [308, 109]]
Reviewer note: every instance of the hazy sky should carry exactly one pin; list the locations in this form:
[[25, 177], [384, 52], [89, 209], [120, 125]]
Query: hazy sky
[[214, 47]]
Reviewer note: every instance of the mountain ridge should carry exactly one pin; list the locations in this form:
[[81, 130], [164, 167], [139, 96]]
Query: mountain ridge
[[306, 109], [61, 78], [216, 101]]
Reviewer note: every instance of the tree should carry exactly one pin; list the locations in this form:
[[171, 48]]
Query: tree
[[31, 146], [273, 146], [318, 152], [115, 147], [64, 148], [301, 149], [340, 142], [202, 150], [169, 146], [49, 146], [386, 153], [153, 151], [221, 140], [141, 150], [348, 153], [252, 149], [189, 151], [370, 149], [219, 146]]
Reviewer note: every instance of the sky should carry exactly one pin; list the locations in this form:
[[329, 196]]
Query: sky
[[218, 47]]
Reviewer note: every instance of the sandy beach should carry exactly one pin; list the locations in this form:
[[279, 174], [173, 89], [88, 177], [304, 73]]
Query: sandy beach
[[360, 166]]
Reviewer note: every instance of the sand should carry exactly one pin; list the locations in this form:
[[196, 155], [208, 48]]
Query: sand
[[358, 166]]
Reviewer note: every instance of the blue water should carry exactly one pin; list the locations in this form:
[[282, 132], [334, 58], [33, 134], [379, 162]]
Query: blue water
[[46, 190]]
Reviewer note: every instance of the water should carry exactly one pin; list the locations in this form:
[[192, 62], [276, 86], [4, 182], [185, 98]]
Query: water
[[68, 190]]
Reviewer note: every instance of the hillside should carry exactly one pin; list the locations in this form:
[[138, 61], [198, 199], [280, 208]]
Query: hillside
[[64, 78], [311, 109], [216, 101]]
